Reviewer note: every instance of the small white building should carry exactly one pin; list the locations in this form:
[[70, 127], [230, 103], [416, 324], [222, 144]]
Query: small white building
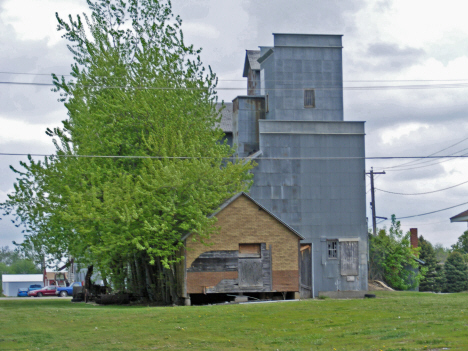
[[12, 282]]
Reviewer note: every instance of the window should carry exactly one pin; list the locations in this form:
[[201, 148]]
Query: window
[[250, 250], [332, 248], [309, 98], [349, 258]]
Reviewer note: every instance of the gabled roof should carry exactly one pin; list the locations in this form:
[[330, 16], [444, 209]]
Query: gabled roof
[[419, 261], [461, 217], [235, 197], [251, 60], [226, 117]]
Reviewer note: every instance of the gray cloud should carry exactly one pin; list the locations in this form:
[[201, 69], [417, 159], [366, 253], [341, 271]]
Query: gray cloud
[[29, 103], [450, 48], [383, 5], [192, 9], [304, 16], [390, 50], [387, 58], [9, 232]]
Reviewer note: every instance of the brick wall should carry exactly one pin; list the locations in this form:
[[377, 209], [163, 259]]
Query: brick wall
[[244, 222], [197, 280], [414, 237]]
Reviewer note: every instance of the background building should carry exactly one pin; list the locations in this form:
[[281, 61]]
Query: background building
[[12, 282]]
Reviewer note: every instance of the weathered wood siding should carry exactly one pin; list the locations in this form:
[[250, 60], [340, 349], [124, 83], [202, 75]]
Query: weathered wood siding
[[349, 258], [220, 268]]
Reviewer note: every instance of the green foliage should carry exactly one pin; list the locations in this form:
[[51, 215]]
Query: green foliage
[[441, 252], [434, 279], [140, 94], [462, 245], [456, 273], [392, 258], [14, 262], [7, 256]]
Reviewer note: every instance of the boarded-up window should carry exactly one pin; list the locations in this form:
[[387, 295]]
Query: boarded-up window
[[249, 250], [250, 272], [349, 257], [309, 98]]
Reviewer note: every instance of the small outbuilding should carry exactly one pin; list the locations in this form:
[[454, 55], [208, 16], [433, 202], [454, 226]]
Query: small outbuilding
[[12, 282], [254, 252]]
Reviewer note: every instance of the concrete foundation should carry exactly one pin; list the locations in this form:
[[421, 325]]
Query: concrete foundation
[[241, 298]]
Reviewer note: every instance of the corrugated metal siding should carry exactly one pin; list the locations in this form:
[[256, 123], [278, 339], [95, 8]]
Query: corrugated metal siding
[[320, 198]]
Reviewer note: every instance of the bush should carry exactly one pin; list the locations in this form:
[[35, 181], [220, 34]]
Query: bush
[[434, 280], [392, 258], [456, 273]]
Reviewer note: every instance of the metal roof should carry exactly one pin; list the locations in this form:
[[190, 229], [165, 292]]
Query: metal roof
[[419, 261], [226, 117], [310, 35], [235, 197], [251, 60], [13, 278], [461, 217]]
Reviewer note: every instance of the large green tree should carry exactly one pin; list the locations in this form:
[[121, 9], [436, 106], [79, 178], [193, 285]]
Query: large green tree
[[456, 272], [142, 118], [433, 280], [462, 244], [441, 252]]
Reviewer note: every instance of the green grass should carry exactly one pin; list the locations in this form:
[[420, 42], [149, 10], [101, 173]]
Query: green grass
[[393, 321]]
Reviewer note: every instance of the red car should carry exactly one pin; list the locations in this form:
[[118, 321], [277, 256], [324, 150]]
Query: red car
[[47, 291]]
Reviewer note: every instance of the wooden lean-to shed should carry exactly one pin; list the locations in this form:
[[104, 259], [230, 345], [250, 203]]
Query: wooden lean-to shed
[[255, 252]]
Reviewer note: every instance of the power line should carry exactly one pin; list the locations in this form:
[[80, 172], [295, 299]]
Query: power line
[[428, 192], [269, 80], [383, 87], [258, 158], [424, 214], [448, 147], [450, 158]]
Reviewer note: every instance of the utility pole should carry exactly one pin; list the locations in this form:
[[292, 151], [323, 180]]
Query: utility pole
[[374, 217]]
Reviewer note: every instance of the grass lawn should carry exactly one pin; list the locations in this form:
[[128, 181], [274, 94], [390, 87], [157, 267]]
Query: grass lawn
[[393, 321]]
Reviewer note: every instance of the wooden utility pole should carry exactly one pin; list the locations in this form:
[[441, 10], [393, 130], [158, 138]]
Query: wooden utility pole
[[374, 217]]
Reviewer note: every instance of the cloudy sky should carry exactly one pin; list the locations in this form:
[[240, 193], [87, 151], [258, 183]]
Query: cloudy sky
[[409, 59]]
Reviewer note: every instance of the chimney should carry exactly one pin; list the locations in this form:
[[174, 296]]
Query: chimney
[[414, 237]]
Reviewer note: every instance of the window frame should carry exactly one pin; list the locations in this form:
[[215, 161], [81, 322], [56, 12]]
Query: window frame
[[306, 98], [249, 254], [331, 249]]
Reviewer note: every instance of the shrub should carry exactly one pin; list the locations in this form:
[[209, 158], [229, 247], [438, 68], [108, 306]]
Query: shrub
[[393, 259], [434, 279], [456, 273]]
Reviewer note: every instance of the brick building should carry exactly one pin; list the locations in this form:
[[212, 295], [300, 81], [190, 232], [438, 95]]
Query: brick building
[[255, 252]]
